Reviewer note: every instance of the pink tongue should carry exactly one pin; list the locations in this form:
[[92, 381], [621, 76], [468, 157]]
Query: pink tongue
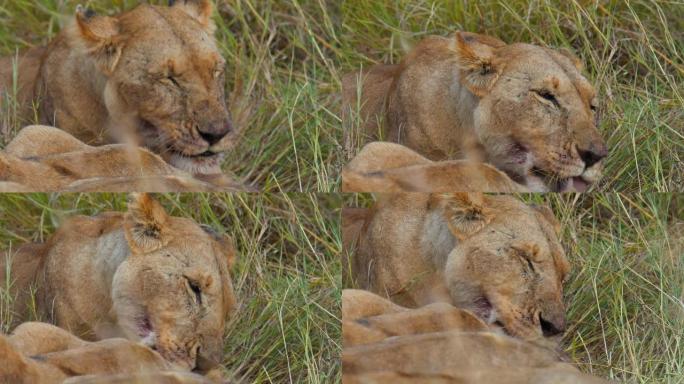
[[579, 184]]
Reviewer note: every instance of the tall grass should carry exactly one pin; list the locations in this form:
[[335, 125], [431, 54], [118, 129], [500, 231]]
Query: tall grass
[[633, 51], [287, 328], [625, 292]]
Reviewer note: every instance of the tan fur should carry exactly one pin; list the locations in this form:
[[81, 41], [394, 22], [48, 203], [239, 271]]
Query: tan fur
[[390, 167], [379, 326], [143, 275], [474, 97], [492, 255], [47, 159], [40, 353], [152, 76], [439, 343]]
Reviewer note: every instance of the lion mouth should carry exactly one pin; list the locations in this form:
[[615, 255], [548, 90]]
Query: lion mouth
[[201, 163], [556, 184], [146, 331]]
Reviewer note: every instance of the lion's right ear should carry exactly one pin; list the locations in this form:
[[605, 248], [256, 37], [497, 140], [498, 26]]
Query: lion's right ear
[[465, 213], [475, 57], [144, 224], [101, 38]]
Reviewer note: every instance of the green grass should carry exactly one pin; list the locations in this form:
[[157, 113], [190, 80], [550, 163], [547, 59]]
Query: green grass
[[287, 328], [633, 51], [625, 293]]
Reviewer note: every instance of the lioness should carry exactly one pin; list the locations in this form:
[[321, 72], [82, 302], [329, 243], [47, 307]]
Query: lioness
[[438, 343], [152, 75], [525, 109], [144, 275], [44, 159], [491, 255]]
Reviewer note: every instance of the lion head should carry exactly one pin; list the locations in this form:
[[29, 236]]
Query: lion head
[[507, 265], [174, 293], [164, 80], [536, 114]]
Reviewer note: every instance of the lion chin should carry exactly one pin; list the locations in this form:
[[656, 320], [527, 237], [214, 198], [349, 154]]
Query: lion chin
[[203, 164]]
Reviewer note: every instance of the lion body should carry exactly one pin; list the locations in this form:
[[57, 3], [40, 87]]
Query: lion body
[[524, 109], [438, 343], [492, 255], [42, 159], [385, 167], [151, 76], [40, 353], [144, 276]]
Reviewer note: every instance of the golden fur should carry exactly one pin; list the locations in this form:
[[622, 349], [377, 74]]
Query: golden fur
[[491, 255], [438, 343], [40, 353], [152, 75], [47, 159], [144, 275], [390, 167], [525, 109]]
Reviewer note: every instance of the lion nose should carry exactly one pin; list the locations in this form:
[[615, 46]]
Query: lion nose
[[552, 327], [593, 154], [213, 133]]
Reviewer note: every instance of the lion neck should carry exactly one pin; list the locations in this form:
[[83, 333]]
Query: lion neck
[[111, 250], [71, 89], [437, 241]]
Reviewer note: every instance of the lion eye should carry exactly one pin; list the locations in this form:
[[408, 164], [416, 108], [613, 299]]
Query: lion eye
[[195, 288], [173, 81], [546, 95]]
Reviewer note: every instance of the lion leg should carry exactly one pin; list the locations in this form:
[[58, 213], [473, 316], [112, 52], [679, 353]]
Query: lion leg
[[41, 140], [34, 338], [357, 303]]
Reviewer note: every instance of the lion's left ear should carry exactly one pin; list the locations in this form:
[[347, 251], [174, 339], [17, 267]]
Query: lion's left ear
[[199, 9], [144, 224], [475, 57], [101, 37]]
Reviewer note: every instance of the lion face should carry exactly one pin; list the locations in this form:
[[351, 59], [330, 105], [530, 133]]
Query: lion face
[[509, 272], [536, 116], [165, 81], [173, 293]]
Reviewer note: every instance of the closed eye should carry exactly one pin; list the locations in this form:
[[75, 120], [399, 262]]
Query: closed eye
[[173, 81], [548, 96], [195, 288]]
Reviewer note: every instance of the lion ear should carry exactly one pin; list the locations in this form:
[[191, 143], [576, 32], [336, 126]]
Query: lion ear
[[199, 9], [464, 212], [101, 37], [144, 224], [548, 216], [475, 57]]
